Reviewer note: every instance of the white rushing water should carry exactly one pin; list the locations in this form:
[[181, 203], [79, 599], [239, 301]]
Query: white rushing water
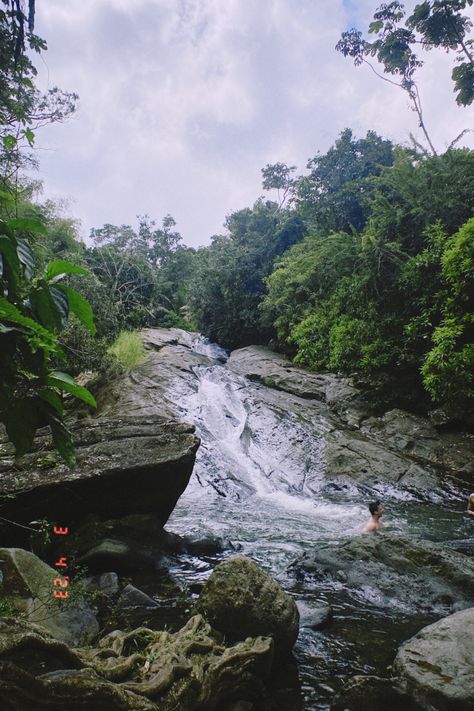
[[259, 481], [259, 469]]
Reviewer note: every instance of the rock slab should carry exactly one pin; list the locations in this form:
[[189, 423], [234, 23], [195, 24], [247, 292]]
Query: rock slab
[[124, 465]]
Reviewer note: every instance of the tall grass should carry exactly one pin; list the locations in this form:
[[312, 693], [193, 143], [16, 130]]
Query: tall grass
[[128, 349]]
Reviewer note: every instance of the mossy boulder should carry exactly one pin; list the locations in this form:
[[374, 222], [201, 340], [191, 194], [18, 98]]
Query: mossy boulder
[[242, 600]]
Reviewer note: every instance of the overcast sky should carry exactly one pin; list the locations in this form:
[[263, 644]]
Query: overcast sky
[[183, 102]]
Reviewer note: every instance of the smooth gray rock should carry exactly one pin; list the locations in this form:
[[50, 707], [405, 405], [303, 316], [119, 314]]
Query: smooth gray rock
[[360, 444], [132, 597], [105, 583], [29, 587], [110, 553], [263, 365], [437, 665], [317, 619], [241, 600]]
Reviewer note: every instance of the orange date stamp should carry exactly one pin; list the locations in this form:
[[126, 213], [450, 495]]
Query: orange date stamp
[[61, 564]]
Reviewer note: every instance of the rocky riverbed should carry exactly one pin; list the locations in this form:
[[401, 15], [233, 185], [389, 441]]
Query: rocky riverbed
[[286, 464]]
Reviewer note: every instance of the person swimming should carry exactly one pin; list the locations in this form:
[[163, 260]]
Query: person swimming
[[470, 504], [374, 523]]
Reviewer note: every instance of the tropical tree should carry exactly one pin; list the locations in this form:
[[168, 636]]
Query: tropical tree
[[34, 305], [433, 24], [336, 193], [228, 281]]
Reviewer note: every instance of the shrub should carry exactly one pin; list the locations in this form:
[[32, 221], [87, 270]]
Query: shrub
[[129, 350]]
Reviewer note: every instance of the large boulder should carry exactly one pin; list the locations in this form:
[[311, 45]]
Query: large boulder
[[436, 666], [242, 600], [352, 457], [124, 465], [413, 574], [28, 586]]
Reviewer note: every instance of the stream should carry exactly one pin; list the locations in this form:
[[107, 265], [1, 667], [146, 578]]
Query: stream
[[259, 482]]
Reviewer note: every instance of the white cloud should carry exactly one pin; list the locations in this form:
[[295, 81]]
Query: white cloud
[[184, 101]]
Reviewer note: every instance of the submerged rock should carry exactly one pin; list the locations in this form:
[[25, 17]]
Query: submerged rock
[[241, 600], [317, 618], [372, 693], [394, 571], [436, 666]]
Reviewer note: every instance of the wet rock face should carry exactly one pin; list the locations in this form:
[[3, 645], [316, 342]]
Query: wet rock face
[[410, 574], [359, 444], [124, 465], [241, 600], [436, 666]]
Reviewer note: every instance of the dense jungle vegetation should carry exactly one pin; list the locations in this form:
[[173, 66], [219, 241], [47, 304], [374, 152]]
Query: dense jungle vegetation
[[362, 265]]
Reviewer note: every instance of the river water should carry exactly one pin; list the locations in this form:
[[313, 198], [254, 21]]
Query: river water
[[259, 482]]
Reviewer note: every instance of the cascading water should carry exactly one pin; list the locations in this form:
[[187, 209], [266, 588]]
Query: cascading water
[[259, 481]]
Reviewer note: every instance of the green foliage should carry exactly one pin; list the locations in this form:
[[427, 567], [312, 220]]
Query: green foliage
[[7, 608], [392, 301], [142, 275], [32, 311], [448, 368], [336, 194], [227, 284], [129, 350], [23, 108]]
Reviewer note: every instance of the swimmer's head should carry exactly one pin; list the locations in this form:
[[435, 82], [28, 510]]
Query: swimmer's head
[[375, 507], [470, 502]]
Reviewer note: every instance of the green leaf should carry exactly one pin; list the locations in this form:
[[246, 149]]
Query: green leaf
[[62, 440], [61, 302], [27, 224], [30, 137], [9, 142], [25, 255], [50, 395], [63, 381], [79, 306], [7, 197], [21, 422], [9, 312], [8, 247], [375, 26], [45, 306], [60, 267]]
